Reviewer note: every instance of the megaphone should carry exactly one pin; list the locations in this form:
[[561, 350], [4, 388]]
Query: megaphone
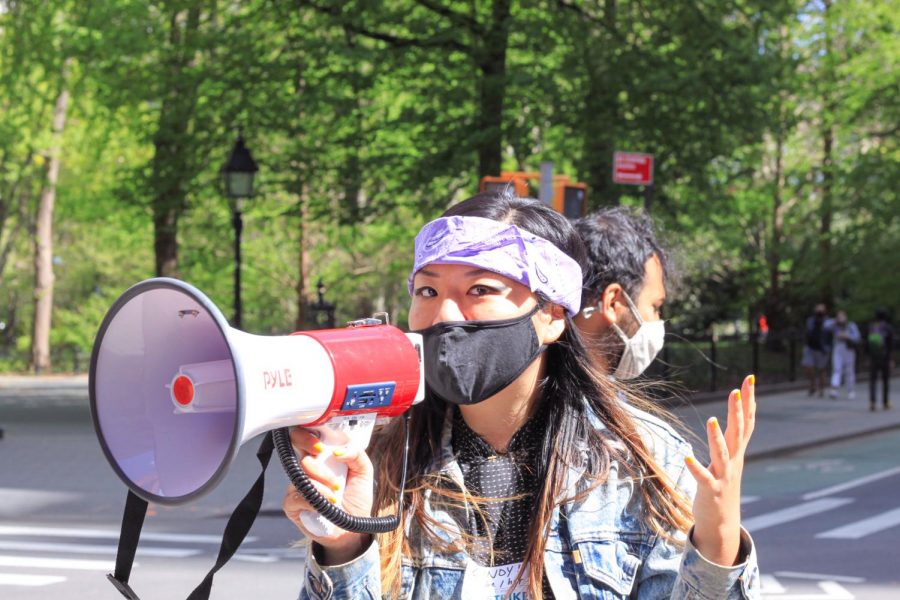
[[175, 391]]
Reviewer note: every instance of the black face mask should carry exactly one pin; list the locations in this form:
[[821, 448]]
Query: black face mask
[[470, 361]]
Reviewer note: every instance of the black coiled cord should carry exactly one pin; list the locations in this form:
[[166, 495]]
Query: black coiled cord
[[344, 520]]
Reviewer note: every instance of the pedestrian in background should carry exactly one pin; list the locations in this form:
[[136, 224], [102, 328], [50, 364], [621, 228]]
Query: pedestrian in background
[[879, 345], [816, 348], [846, 338]]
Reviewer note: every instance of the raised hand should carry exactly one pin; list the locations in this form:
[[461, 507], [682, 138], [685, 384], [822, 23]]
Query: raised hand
[[717, 505]]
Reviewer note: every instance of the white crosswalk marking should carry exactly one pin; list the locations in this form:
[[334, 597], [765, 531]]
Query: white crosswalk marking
[[35, 542], [829, 588], [820, 577], [29, 580], [94, 549], [851, 484], [864, 527], [770, 585], [793, 513], [146, 536], [56, 563]]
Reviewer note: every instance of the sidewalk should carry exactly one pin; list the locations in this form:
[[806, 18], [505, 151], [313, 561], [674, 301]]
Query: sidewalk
[[793, 420], [785, 421]]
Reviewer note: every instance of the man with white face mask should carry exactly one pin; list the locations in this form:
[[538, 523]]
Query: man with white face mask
[[624, 290]]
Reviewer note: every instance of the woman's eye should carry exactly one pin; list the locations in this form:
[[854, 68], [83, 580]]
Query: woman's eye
[[481, 290], [425, 292]]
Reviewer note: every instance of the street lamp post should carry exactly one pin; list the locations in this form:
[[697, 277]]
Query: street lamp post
[[238, 174], [320, 306]]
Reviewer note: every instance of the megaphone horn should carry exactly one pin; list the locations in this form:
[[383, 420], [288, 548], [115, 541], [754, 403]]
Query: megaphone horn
[[175, 391]]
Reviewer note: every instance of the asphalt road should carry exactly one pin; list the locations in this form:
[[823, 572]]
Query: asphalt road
[[825, 520], [61, 505]]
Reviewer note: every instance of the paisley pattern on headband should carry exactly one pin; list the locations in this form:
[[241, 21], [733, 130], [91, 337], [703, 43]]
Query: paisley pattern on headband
[[501, 248]]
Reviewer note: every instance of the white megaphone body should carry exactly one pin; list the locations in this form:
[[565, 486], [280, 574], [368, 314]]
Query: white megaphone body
[[175, 390]]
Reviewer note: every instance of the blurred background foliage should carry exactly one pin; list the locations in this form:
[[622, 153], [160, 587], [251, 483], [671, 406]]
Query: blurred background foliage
[[774, 126]]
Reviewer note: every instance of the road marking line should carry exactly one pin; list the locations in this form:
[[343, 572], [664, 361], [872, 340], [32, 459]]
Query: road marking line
[[835, 590], [851, 484], [110, 534], [253, 558], [94, 549], [770, 585], [820, 576], [29, 580], [864, 527], [832, 591], [57, 563], [793, 513]]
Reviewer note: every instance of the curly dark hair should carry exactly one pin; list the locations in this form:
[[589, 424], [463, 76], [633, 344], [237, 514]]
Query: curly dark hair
[[618, 240]]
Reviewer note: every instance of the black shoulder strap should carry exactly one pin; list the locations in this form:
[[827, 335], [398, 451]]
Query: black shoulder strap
[[236, 530], [132, 522], [240, 522]]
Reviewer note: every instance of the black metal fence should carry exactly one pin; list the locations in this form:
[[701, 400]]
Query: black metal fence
[[713, 363]]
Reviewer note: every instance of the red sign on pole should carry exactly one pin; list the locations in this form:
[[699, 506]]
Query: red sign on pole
[[633, 168]]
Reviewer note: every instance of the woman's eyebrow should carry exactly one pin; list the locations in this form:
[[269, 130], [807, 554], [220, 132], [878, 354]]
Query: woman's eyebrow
[[478, 272]]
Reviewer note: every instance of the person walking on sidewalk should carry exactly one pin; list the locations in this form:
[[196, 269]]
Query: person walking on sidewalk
[[816, 347], [846, 338], [879, 345]]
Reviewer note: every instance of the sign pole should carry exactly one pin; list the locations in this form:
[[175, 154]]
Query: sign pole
[[648, 198], [546, 190]]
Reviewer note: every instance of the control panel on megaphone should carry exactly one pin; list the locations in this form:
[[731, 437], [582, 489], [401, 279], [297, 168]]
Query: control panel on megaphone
[[175, 391]]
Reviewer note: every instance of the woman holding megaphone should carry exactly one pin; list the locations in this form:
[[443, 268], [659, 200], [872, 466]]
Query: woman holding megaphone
[[528, 476]]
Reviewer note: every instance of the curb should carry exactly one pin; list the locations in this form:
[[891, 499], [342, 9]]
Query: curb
[[780, 452]]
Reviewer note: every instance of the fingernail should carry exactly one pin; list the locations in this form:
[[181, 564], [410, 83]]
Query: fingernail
[[738, 395], [714, 423], [318, 447], [335, 486], [689, 460], [339, 452], [332, 499], [752, 380]]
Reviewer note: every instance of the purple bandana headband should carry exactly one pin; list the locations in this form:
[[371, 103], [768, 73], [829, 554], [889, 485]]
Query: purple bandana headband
[[501, 248]]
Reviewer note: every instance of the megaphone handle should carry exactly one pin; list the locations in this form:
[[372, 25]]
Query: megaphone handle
[[335, 434], [334, 514]]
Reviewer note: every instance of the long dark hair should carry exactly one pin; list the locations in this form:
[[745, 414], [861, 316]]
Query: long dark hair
[[576, 394]]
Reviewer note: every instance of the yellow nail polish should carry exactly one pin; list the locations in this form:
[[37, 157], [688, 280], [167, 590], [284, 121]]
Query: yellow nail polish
[[338, 452], [752, 380], [737, 396], [689, 460], [335, 486], [318, 447], [332, 499], [714, 423]]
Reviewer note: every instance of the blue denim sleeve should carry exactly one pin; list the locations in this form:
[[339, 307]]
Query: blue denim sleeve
[[358, 579], [704, 580]]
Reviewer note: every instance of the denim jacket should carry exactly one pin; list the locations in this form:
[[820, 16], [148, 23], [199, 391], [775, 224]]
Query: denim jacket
[[597, 548]]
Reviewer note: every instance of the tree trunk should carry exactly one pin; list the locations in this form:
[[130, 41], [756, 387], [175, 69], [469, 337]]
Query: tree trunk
[[772, 304], [601, 110], [827, 208], [43, 242], [171, 172], [303, 265], [492, 93]]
